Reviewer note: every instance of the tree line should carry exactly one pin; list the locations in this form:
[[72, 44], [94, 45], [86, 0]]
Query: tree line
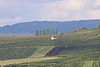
[[46, 32]]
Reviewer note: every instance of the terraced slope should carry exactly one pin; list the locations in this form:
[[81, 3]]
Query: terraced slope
[[74, 38], [78, 43], [24, 52], [16, 52], [65, 62], [91, 64], [42, 51]]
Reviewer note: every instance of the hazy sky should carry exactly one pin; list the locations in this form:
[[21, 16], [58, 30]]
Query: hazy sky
[[15, 11]]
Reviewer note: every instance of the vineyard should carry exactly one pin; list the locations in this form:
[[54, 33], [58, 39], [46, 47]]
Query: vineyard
[[80, 48], [59, 63]]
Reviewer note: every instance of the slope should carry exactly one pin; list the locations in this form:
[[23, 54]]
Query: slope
[[84, 44]]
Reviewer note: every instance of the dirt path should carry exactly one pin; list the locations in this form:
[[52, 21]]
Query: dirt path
[[18, 61]]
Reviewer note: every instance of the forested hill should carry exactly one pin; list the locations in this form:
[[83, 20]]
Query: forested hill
[[30, 27]]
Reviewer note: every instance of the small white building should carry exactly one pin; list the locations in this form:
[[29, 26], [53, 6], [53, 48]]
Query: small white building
[[53, 38]]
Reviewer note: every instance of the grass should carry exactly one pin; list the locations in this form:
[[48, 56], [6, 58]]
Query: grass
[[91, 64], [18, 61], [24, 52], [42, 50], [16, 52], [80, 46], [63, 62]]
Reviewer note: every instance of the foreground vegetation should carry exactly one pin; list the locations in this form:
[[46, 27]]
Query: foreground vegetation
[[63, 62], [18, 61]]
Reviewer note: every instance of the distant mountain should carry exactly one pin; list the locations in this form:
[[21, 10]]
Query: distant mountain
[[30, 27]]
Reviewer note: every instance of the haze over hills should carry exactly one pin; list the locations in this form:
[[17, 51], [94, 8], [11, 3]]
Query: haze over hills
[[31, 27]]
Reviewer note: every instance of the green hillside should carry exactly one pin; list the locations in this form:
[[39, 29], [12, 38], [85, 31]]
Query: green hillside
[[16, 52], [88, 37], [23, 52], [64, 62], [42, 50], [81, 40], [79, 45]]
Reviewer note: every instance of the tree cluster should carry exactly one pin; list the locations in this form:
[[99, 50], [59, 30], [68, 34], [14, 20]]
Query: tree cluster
[[46, 32]]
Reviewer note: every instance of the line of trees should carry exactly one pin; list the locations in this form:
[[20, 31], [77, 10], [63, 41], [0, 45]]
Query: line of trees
[[46, 32]]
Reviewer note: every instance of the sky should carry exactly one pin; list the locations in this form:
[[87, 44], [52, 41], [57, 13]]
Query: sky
[[16, 11]]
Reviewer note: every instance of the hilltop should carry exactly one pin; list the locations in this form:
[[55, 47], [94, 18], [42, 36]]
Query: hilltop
[[61, 26]]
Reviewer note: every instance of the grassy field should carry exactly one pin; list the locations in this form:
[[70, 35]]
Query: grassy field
[[90, 37], [80, 45], [42, 50], [18, 61], [23, 52], [63, 62]]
